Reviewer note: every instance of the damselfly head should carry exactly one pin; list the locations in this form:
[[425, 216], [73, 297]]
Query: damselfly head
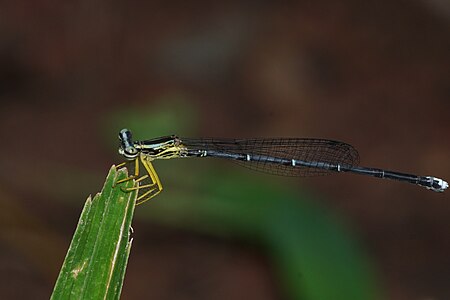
[[126, 147]]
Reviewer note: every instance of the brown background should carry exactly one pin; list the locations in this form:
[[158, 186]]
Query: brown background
[[371, 73]]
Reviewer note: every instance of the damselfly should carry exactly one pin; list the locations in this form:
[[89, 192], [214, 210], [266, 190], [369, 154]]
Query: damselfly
[[279, 156]]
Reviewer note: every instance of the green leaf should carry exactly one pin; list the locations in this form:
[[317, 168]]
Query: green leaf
[[95, 264]]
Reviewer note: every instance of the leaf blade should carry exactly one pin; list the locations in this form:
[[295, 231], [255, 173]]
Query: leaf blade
[[96, 261]]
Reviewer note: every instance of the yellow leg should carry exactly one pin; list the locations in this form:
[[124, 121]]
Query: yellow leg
[[154, 188], [130, 177], [139, 186]]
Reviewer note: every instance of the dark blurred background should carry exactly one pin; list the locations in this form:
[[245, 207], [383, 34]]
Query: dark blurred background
[[374, 74]]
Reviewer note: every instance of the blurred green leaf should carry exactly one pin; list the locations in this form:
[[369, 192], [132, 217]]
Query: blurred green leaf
[[314, 255], [94, 267]]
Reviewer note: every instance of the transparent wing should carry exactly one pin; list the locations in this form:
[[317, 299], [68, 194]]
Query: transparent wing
[[309, 150]]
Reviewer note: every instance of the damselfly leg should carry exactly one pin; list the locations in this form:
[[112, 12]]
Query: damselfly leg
[[148, 185]]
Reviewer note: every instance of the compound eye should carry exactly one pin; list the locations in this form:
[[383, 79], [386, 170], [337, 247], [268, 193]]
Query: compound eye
[[125, 135]]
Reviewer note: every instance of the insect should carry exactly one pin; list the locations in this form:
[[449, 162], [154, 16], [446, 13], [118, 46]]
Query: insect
[[279, 156]]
